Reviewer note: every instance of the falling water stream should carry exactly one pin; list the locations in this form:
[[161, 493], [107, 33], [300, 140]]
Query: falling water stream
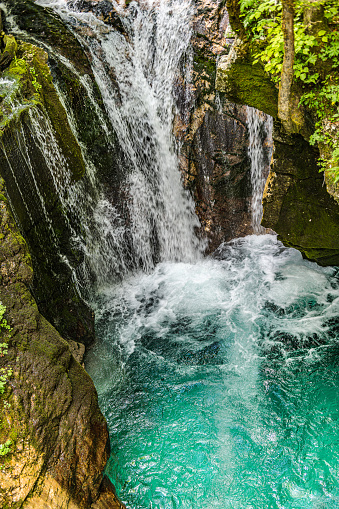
[[260, 128], [218, 377]]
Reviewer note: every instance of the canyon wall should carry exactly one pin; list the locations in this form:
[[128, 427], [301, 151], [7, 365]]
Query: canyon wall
[[54, 441], [58, 437], [300, 204]]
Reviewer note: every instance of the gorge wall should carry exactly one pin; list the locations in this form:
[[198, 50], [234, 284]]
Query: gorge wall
[[54, 438], [58, 438], [300, 204], [213, 133], [60, 160]]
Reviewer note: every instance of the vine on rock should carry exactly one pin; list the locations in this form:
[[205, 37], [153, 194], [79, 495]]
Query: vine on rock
[[5, 372]]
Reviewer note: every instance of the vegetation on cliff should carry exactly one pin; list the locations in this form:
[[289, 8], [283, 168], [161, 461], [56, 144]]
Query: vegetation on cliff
[[305, 106], [5, 372], [297, 44]]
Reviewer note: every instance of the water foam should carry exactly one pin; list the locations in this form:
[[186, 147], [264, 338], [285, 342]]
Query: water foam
[[219, 381]]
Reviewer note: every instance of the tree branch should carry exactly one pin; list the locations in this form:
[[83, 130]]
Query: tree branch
[[284, 99]]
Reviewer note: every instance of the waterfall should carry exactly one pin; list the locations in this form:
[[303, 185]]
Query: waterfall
[[136, 74], [260, 128]]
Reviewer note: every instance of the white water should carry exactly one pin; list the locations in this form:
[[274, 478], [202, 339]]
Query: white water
[[139, 100], [219, 381], [260, 127]]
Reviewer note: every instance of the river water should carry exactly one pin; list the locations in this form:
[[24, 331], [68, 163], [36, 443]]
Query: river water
[[219, 381]]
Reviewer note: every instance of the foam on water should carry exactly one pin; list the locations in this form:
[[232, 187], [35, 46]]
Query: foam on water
[[220, 381]]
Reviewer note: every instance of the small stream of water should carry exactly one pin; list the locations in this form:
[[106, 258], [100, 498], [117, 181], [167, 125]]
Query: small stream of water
[[260, 128]]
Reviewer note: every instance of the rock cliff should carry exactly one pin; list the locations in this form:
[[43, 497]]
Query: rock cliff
[[297, 203], [49, 409], [213, 134], [54, 440]]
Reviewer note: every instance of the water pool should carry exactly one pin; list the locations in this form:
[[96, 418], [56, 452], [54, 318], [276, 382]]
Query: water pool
[[219, 381]]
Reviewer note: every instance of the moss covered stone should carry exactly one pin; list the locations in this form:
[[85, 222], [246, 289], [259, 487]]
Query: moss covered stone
[[245, 83], [28, 92], [59, 436], [35, 19], [31, 86], [296, 203]]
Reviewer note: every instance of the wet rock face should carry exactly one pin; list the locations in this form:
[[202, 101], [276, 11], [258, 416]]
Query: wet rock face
[[49, 409], [217, 167], [53, 284], [213, 134], [102, 9], [32, 189], [296, 203], [43, 21]]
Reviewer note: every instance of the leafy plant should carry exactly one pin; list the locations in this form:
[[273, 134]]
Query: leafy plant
[[316, 63], [3, 321], [5, 448], [35, 83]]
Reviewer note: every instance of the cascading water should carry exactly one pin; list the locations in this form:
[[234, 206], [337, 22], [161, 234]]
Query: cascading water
[[159, 220], [218, 378], [140, 104], [260, 127]]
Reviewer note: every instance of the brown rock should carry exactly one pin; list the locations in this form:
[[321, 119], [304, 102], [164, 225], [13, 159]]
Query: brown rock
[[49, 411]]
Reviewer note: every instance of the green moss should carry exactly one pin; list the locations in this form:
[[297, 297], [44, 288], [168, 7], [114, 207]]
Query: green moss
[[10, 44], [34, 86], [205, 66], [297, 205], [47, 25], [305, 222], [30, 85], [245, 83]]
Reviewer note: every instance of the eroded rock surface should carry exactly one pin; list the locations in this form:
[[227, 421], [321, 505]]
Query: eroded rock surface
[[49, 411], [213, 134]]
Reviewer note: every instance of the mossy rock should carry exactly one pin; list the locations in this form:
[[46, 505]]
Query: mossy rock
[[297, 205], [33, 192], [33, 86], [46, 25], [100, 141], [245, 83]]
